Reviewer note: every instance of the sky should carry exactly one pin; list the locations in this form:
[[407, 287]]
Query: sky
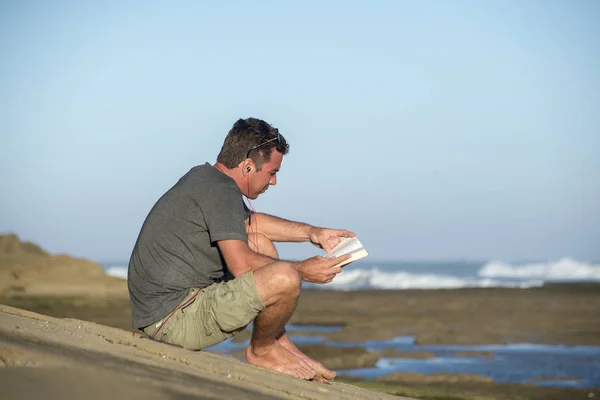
[[435, 130]]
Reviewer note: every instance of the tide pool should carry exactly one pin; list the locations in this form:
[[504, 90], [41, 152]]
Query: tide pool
[[547, 365]]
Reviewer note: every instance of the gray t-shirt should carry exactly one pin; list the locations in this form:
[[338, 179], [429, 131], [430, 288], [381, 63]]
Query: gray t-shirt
[[176, 249]]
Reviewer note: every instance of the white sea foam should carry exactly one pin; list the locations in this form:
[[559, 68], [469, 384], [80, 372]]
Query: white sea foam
[[116, 270], [492, 274], [374, 278], [565, 269]]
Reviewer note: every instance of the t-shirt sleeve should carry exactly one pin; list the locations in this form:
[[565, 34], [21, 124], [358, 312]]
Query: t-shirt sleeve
[[224, 212]]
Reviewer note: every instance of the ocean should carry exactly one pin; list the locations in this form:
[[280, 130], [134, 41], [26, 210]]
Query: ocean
[[514, 363], [446, 274]]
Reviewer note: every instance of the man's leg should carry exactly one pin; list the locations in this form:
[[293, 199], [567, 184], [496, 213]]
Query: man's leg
[[278, 285], [264, 328]]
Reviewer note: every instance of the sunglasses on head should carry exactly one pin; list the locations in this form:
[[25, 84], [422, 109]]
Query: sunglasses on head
[[276, 138]]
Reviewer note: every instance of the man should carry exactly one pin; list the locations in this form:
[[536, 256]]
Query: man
[[204, 266]]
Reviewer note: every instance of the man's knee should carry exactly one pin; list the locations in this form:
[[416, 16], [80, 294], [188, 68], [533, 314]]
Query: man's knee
[[288, 279], [277, 281]]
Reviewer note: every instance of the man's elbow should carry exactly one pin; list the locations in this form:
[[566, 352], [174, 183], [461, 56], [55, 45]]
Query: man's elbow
[[238, 270], [242, 263]]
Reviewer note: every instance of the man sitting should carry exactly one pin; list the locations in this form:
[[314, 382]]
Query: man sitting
[[204, 266]]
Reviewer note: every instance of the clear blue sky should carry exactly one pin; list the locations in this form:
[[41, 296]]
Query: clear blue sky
[[433, 129]]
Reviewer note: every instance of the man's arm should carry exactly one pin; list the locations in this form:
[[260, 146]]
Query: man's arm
[[240, 258], [278, 229], [282, 230]]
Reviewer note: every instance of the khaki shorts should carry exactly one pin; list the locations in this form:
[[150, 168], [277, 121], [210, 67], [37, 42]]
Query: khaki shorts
[[218, 312]]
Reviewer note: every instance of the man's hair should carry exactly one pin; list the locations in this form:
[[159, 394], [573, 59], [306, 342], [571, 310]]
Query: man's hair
[[246, 134]]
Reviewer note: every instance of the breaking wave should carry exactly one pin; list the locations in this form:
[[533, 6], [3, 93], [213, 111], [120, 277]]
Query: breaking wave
[[118, 271], [491, 274], [376, 279], [565, 269]]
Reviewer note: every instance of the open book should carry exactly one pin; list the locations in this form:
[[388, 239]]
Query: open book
[[349, 245]]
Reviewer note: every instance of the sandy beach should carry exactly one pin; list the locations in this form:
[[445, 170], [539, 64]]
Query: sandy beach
[[69, 358], [76, 337], [447, 316], [559, 314]]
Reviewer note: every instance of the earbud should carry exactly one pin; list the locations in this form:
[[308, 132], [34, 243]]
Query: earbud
[[248, 169]]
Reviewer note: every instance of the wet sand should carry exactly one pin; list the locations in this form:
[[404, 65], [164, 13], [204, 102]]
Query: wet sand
[[566, 314]]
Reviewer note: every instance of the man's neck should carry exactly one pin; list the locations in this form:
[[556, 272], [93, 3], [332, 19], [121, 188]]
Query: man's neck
[[233, 173]]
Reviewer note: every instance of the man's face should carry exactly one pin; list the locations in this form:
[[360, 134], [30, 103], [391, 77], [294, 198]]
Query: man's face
[[267, 176]]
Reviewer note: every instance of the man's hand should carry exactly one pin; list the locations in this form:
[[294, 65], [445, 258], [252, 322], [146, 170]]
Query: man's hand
[[320, 269], [326, 238]]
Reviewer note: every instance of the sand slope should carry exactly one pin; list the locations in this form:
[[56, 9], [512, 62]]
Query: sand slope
[[68, 358]]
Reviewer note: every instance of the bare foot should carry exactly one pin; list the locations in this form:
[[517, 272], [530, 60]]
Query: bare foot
[[277, 358], [322, 374]]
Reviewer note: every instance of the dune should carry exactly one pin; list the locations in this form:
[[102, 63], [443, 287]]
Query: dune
[[27, 269]]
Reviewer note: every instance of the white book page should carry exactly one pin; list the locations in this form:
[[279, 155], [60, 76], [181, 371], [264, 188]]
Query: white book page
[[346, 246]]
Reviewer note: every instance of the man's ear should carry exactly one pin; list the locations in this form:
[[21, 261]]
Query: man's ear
[[246, 166]]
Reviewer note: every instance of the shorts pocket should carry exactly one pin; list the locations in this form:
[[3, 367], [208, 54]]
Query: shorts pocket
[[229, 310], [173, 330], [165, 331]]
